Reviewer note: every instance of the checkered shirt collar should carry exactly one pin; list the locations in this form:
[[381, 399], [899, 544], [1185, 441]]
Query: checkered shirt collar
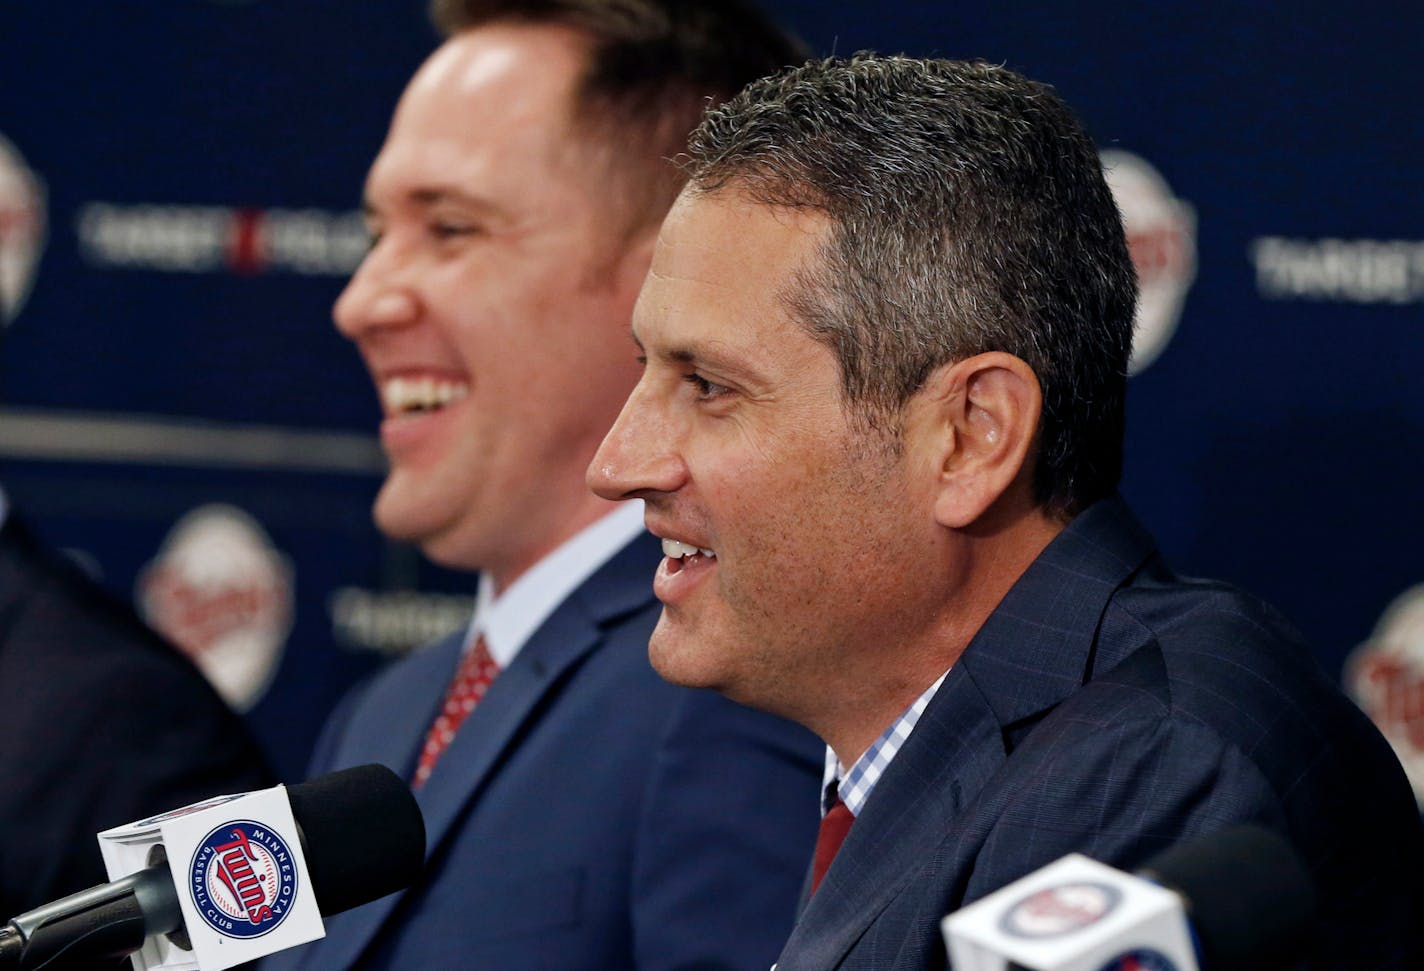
[[854, 787]]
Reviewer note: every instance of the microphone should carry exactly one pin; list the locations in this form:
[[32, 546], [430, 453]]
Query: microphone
[[359, 830], [1238, 899], [1248, 897]]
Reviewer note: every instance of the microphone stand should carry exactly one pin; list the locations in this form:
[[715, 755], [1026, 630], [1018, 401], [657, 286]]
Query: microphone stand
[[110, 920]]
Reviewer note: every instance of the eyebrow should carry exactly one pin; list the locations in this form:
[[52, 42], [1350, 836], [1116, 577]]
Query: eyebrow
[[703, 354], [426, 198]]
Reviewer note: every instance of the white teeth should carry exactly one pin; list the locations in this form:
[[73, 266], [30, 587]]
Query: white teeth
[[400, 395], [676, 549]]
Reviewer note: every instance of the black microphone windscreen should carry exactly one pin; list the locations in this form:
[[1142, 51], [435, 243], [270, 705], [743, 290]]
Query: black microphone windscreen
[[362, 833], [1249, 897]]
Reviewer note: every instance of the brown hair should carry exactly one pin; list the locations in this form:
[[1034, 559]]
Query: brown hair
[[654, 67]]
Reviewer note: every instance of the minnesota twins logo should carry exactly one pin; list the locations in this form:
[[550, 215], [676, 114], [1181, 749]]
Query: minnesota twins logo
[[1142, 959], [1061, 910], [243, 879], [22, 229]]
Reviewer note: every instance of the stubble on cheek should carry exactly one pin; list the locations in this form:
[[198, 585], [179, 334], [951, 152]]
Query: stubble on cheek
[[789, 571]]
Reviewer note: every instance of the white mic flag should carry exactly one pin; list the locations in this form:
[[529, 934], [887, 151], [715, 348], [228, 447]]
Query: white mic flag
[[243, 883], [1072, 915], [234, 878]]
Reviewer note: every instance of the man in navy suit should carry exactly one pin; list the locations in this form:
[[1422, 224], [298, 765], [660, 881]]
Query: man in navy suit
[[887, 329], [581, 813]]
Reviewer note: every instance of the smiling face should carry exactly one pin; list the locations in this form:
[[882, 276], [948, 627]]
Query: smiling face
[[492, 308], [824, 551]]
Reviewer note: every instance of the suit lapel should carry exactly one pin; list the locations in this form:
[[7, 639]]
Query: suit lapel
[[390, 728], [1038, 646], [575, 629], [404, 716], [1032, 652], [954, 748], [467, 765]]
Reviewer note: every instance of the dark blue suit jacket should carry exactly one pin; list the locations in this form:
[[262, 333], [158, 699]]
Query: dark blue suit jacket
[[101, 723], [1111, 708], [587, 815]]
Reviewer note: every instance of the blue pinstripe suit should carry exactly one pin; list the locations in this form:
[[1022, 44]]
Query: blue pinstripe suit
[[1112, 708]]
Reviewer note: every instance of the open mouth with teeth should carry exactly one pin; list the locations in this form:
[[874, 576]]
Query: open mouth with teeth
[[415, 396], [680, 555]]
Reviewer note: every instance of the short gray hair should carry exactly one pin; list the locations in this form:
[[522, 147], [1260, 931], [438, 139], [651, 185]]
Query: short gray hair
[[970, 215]]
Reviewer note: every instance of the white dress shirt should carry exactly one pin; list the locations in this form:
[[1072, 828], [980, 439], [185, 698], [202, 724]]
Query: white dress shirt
[[509, 617]]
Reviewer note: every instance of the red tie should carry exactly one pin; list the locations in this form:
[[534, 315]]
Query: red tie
[[472, 679], [834, 827]]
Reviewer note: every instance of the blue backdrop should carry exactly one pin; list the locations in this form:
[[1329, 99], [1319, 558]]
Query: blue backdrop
[[184, 175]]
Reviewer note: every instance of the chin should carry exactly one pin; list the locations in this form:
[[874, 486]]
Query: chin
[[404, 521], [686, 660], [393, 520], [669, 652], [670, 670]]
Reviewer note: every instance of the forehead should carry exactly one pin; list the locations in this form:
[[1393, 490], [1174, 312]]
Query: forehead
[[492, 103], [723, 261]]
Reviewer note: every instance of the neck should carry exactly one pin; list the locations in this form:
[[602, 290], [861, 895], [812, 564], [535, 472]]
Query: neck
[[521, 561], [984, 562]]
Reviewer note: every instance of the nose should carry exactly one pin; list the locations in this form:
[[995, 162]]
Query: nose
[[378, 296], [641, 454]]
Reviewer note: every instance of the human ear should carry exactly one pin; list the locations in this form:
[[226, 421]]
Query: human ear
[[985, 412]]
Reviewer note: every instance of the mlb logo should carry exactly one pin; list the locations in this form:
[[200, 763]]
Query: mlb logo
[[1162, 240], [1385, 676], [22, 230], [243, 879]]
